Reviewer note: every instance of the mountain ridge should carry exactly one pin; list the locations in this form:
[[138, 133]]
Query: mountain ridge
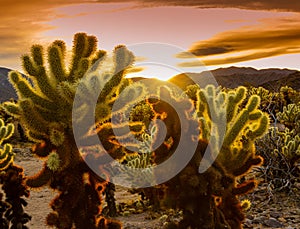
[[238, 76], [270, 78], [7, 92]]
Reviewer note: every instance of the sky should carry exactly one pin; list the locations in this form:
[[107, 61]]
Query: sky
[[169, 37]]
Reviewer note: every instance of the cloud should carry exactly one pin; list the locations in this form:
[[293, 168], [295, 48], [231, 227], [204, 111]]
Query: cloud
[[271, 38], [22, 23], [236, 59], [280, 5], [205, 51]]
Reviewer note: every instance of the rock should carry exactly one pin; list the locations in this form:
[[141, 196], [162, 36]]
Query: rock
[[251, 217], [248, 223], [295, 212], [290, 217], [131, 227], [274, 223], [289, 227], [259, 219], [297, 185], [259, 210], [275, 214], [281, 219]]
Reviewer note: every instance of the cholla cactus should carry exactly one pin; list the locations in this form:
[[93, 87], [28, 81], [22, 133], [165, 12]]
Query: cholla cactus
[[6, 154], [142, 160], [290, 116], [281, 153], [290, 95], [231, 129], [270, 101], [228, 129], [12, 214], [290, 145], [53, 99]]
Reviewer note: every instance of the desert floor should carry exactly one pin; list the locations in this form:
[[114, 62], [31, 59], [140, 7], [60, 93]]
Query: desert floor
[[268, 210]]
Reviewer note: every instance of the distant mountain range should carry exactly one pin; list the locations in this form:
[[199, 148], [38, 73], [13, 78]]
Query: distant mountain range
[[7, 91], [231, 77]]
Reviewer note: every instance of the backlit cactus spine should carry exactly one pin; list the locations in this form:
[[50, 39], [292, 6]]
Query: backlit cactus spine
[[6, 154], [45, 106], [228, 128], [231, 129], [142, 160], [290, 146], [12, 213], [270, 101], [281, 152], [290, 116], [221, 113]]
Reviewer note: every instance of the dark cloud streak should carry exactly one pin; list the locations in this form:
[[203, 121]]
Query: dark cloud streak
[[272, 39], [22, 23], [211, 51], [279, 5]]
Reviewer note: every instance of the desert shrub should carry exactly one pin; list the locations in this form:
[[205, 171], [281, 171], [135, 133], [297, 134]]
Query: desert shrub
[[281, 152], [271, 102], [290, 116], [290, 95]]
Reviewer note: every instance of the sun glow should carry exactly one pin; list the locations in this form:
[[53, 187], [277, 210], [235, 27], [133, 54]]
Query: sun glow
[[158, 60]]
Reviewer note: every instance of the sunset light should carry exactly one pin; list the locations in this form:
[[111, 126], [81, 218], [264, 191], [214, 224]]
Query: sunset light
[[256, 38], [149, 114]]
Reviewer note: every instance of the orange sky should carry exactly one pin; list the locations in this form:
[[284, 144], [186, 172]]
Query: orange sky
[[220, 36]]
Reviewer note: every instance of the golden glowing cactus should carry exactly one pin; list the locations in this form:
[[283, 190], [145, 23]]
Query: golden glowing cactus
[[53, 98]]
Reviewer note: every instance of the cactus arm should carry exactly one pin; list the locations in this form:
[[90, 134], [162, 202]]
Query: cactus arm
[[56, 63]]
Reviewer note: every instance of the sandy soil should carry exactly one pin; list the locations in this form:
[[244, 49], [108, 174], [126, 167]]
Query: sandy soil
[[281, 211]]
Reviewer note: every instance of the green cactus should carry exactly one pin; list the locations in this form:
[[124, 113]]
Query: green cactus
[[290, 95], [281, 152], [6, 154], [142, 112], [243, 123], [191, 91], [291, 145], [271, 102], [229, 127], [53, 99], [142, 160], [290, 116], [12, 213]]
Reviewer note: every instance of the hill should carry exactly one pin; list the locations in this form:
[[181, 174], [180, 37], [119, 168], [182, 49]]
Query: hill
[[230, 77], [235, 76], [7, 91], [292, 80]]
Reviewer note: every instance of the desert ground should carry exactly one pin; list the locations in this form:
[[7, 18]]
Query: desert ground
[[268, 209]]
